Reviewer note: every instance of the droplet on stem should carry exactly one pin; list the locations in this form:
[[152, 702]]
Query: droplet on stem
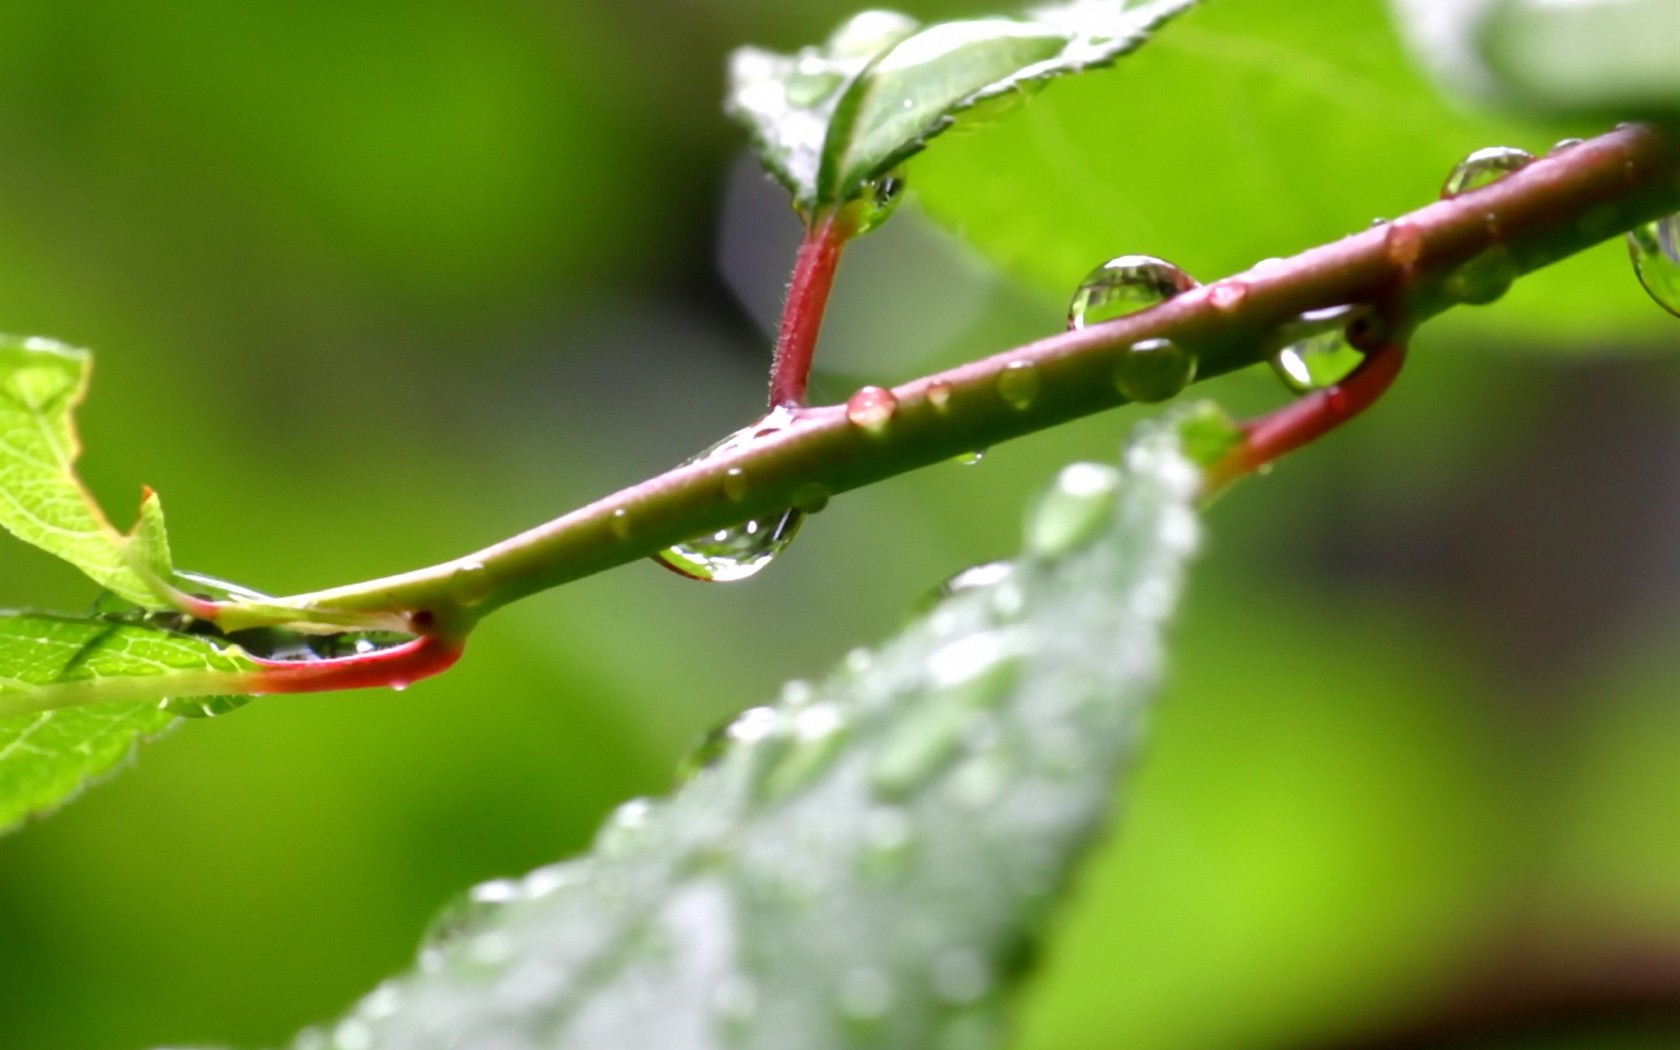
[[1655, 250], [1018, 384], [739, 551], [871, 409], [1322, 356], [1153, 370], [1124, 285], [1483, 167]]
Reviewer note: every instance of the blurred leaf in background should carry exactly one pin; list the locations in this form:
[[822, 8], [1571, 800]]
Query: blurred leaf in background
[[373, 286]]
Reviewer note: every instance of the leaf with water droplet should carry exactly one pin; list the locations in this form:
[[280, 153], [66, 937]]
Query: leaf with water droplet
[[955, 774], [831, 120], [76, 696]]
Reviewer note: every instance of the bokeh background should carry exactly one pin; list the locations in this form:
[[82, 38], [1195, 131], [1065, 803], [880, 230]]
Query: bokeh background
[[374, 284]]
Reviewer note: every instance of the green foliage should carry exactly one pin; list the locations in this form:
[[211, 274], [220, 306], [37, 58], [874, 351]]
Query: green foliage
[[868, 861], [51, 741], [832, 118], [1606, 58], [42, 501]]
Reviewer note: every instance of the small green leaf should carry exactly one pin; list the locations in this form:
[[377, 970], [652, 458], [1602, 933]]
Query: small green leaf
[[831, 119], [867, 862], [41, 499], [75, 695]]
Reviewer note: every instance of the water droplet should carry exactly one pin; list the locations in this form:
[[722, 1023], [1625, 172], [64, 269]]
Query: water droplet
[[628, 830], [1073, 510], [1483, 167], [397, 687], [1227, 295], [960, 975], [203, 706], [1403, 243], [964, 678], [810, 498], [879, 200], [866, 34], [1018, 384], [975, 577], [871, 408], [1483, 279], [939, 395], [1655, 249], [619, 523], [1124, 285], [749, 727], [969, 459], [1321, 356], [865, 994], [981, 779], [1563, 144], [1153, 370], [469, 584], [739, 551], [735, 484]]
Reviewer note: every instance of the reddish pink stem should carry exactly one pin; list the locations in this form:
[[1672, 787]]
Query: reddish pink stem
[[802, 314], [1310, 417], [397, 667]]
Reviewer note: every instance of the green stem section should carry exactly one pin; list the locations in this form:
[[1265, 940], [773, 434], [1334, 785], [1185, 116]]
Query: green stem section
[[1453, 252]]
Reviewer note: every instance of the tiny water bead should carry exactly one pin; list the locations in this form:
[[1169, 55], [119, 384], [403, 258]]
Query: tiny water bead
[[1323, 356], [1655, 249], [871, 409], [1483, 167], [469, 584], [939, 395], [1227, 295], [739, 551], [1018, 384], [203, 706], [1484, 278], [1403, 243], [1124, 285], [1153, 370], [879, 199], [969, 459]]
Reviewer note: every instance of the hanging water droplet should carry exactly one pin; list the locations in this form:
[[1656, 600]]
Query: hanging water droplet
[[1153, 370], [871, 409], [739, 551], [1483, 167], [1655, 249], [203, 706], [939, 395], [1124, 285], [470, 584], [810, 498], [1322, 356], [1073, 510], [1018, 384], [969, 459], [879, 200], [1484, 278]]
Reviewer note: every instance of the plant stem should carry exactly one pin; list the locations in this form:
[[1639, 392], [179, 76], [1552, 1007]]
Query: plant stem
[[802, 314], [1446, 254]]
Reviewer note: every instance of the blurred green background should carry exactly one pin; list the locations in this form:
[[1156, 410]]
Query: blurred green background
[[374, 284]]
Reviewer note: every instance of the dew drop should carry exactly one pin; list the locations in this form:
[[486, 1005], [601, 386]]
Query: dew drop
[[879, 200], [1018, 384], [810, 498], [1322, 357], [749, 727], [964, 679], [1483, 279], [818, 733], [1563, 144], [1655, 249], [619, 523], [735, 484], [1073, 510], [969, 459], [1227, 295], [1403, 243], [1124, 285], [939, 395], [738, 551], [1153, 370], [203, 706], [1483, 167], [470, 584], [871, 409]]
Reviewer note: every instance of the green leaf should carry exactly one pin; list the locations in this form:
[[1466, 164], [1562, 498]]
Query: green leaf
[[1601, 58], [866, 862], [831, 119], [1254, 129], [76, 695], [41, 499]]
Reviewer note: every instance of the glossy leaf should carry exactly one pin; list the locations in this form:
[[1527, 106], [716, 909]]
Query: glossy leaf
[[831, 119], [42, 501], [76, 695], [866, 862]]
